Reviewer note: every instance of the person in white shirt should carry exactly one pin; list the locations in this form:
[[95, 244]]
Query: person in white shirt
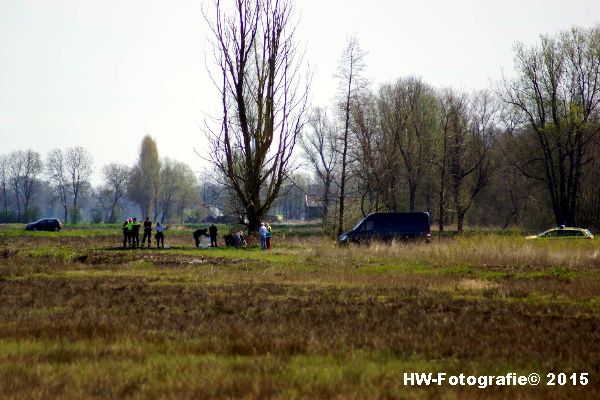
[[262, 232]]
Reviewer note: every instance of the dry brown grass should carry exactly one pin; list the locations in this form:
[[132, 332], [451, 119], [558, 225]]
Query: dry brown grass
[[481, 251], [308, 320]]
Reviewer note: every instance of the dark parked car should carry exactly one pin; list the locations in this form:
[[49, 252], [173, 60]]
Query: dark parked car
[[390, 226], [45, 224]]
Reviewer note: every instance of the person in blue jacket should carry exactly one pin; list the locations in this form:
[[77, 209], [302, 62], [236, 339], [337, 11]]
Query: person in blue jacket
[[262, 232]]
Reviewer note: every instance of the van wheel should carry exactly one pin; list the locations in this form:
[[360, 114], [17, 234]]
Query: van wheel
[[56, 229]]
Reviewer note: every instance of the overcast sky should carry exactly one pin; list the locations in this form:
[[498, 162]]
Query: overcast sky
[[103, 73]]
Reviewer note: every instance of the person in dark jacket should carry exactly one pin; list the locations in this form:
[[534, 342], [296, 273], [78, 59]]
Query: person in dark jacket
[[147, 232], [198, 233], [212, 230], [125, 233], [269, 235], [160, 237], [136, 233]]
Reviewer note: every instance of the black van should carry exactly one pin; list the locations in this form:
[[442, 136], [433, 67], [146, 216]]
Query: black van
[[387, 226]]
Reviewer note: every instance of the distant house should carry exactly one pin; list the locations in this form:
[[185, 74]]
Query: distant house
[[216, 216], [313, 207], [224, 219], [214, 211]]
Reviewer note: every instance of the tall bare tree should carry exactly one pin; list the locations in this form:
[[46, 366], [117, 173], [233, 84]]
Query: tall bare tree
[[408, 111], [557, 94], [369, 150], [57, 175], [468, 128], [104, 199], [263, 95], [15, 171], [469, 154], [450, 110], [178, 185], [24, 168], [32, 168], [351, 82], [78, 163], [320, 150], [4, 182], [115, 178]]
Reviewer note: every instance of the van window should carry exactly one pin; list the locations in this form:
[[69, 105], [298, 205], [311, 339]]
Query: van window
[[367, 226]]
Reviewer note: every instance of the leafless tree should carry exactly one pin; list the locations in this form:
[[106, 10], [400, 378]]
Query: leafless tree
[[179, 187], [557, 94], [351, 82], [263, 96], [320, 150], [4, 184], [468, 129], [104, 200], [408, 111], [115, 178], [471, 166], [372, 166], [24, 168], [395, 105], [78, 165], [57, 175], [450, 106], [15, 171]]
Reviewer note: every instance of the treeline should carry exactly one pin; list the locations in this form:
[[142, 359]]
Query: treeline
[[523, 153], [32, 186]]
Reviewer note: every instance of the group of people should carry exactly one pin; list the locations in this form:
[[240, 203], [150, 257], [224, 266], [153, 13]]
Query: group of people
[[266, 236], [131, 233], [236, 239], [211, 232]]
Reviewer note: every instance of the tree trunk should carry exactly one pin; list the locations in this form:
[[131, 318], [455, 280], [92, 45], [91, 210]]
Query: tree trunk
[[412, 192], [253, 219], [326, 196], [460, 217], [344, 159]]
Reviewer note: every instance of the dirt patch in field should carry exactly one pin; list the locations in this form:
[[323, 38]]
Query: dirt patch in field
[[7, 253], [169, 259], [476, 284], [158, 259]]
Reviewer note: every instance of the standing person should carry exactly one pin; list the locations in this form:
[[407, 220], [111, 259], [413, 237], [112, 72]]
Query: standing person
[[136, 232], [262, 232], [269, 235], [125, 233], [147, 232], [160, 237], [130, 232], [212, 230], [199, 232]]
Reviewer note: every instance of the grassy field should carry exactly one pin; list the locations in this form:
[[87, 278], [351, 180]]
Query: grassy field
[[82, 318]]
